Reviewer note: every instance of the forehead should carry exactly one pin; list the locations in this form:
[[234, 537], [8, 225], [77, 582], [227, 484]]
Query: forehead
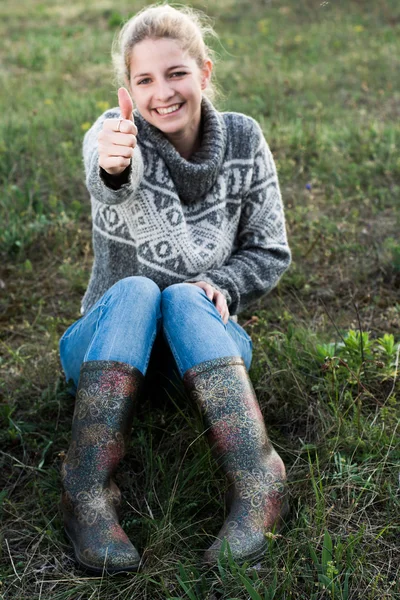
[[150, 55]]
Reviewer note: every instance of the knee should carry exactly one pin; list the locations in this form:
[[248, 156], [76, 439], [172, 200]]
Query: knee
[[179, 295], [135, 287]]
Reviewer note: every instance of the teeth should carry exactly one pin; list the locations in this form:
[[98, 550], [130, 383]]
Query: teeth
[[166, 111]]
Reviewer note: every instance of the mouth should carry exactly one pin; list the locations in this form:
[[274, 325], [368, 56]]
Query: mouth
[[170, 110]]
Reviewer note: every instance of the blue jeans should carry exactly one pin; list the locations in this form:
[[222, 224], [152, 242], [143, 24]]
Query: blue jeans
[[124, 324]]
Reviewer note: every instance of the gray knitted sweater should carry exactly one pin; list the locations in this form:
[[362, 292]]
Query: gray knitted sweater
[[217, 217]]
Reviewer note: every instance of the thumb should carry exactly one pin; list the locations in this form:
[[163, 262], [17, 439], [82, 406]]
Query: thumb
[[125, 104]]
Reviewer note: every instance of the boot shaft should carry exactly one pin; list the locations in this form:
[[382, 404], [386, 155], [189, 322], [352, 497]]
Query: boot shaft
[[237, 433], [235, 426], [102, 421]]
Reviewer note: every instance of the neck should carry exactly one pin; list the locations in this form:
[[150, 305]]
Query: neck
[[186, 142], [186, 147]]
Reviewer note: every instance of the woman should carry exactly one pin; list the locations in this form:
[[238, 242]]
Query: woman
[[188, 229]]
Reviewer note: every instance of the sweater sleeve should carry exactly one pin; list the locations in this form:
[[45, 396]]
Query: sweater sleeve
[[262, 253], [98, 185]]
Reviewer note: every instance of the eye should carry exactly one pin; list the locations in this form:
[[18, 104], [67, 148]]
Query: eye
[[145, 80], [178, 73]]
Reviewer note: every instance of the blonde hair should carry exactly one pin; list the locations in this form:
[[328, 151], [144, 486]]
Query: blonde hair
[[187, 26]]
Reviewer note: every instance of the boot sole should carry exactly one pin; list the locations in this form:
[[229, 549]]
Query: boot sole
[[252, 559], [100, 570]]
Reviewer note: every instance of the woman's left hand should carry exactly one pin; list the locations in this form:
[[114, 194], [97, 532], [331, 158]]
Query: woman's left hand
[[216, 297]]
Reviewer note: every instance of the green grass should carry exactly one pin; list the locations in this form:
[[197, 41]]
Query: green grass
[[321, 78]]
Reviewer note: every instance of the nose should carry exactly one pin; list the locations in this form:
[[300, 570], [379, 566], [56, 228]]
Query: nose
[[164, 91]]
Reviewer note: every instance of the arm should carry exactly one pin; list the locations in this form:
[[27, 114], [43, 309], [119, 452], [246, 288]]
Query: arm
[[263, 253]]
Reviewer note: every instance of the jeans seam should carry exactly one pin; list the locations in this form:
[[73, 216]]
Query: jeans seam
[[240, 331], [102, 306], [66, 337], [172, 348], [147, 358], [243, 337]]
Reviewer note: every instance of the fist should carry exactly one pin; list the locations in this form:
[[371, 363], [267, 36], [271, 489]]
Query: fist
[[117, 139]]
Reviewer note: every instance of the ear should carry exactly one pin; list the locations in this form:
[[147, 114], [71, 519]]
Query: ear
[[206, 73]]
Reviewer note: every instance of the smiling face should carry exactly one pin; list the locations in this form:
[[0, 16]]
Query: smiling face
[[166, 85]]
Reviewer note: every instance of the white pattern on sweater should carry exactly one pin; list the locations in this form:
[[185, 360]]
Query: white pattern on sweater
[[217, 217]]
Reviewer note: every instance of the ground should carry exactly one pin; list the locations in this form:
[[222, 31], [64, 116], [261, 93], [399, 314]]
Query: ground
[[322, 80]]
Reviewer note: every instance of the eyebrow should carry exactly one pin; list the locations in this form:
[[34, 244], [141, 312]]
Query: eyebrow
[[169, 69]]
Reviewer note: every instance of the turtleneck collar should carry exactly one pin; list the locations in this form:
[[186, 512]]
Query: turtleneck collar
[[193, 178]]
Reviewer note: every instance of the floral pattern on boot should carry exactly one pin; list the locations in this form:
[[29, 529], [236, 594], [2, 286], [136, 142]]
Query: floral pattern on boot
[[101, 425], [238, 437]]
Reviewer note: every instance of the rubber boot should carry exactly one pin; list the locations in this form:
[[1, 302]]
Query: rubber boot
[[101, 425], [256, 474]]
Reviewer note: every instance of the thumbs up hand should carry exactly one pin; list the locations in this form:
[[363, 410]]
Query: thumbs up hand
[[117, 139]]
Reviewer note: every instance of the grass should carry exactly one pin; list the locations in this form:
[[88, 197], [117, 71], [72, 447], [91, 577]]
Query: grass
[[321, 79]]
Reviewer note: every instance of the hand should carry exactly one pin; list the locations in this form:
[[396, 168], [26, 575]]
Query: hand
[[117, 139], [216, 297]]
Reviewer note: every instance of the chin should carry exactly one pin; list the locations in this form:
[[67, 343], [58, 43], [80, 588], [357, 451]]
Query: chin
[[171, 128]]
